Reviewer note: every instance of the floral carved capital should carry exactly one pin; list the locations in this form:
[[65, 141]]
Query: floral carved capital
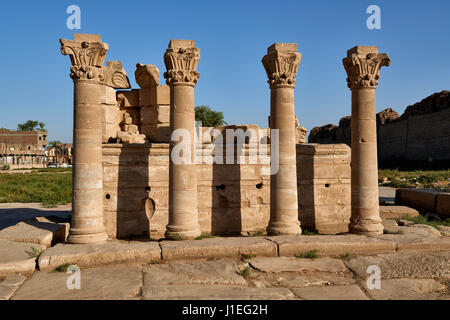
[[87, 57], [181, 63], [363, 68], [281, 64]]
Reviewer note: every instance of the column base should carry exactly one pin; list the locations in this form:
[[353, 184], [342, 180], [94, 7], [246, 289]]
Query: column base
[[282, 229], [87, 238], [177, 233], [366, 229]]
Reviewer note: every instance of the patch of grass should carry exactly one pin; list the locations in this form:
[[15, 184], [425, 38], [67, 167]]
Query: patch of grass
[[258, 233], [308, 255], [309, 232], [426, 219], [34, 253], [245, 273], [345, 256], [385, 231], [176, 237], [155, 262], [205, 236], [63, 267], [49, 189], [246, 256], [429, 179]]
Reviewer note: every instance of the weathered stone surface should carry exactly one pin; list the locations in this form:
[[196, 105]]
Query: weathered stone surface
[[215, 292], [417, 238], [147, 75], [331, 244], [408, 289], [290, 264], [118, 282], [37, 230], [196, 272], [15, 259], [10, 284], [404, 265], [217, 247], [90, 255], [397, 212], [6, 292], [352, 292]]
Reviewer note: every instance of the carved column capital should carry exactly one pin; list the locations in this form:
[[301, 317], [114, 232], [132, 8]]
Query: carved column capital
[[87, 53], [363, 64], [281, 63], [181, 60], [115, 76]]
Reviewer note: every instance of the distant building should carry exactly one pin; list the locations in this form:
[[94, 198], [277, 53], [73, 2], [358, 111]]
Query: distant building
[[23, 149], [61, 153]]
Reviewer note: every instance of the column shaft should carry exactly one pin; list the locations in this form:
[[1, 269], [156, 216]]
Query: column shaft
[[87, 185], [183, 207], [365, 209], [283, 185]]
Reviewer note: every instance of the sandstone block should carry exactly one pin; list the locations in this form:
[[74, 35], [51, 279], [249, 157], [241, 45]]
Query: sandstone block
[[90, 255], [397, 212], [219, 292], [108, 283], [15, 259], [352, 292], [155, 96], [217, 248], [292, 264], [127, 99], [418, 199]]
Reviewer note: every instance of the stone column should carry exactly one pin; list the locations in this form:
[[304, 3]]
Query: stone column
[[87, 54], [363, 65], [281, 64], [181, 60]]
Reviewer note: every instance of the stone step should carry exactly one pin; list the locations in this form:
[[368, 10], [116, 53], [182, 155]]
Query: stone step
[[41, 230], [14, 257]]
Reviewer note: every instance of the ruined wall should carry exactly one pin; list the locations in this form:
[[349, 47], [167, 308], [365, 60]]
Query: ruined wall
[[420, 134], [232, 199]]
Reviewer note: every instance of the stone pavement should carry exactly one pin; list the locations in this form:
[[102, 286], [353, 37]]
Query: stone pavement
[[403, 276], [413, 259]]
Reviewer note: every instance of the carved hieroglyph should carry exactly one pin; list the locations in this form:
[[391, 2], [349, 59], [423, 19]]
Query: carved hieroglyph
[[281, 64], [363, 65], [181, 59]]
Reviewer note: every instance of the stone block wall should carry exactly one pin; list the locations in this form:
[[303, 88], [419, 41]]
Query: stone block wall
[[324, 187], [233, 199]]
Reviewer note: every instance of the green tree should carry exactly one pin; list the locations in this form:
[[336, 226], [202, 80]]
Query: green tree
[[54, 143], [209, 117], [31, 125]]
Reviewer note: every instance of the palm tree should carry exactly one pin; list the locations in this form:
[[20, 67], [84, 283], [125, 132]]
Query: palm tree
[[209, 117], [31, 125]]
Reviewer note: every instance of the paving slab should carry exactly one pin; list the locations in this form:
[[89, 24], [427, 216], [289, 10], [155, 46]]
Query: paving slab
[[292, 264], [10, 284], [332, 244], [408, 289], [15, 259], [37, 230], [397, 212], [92, 255], [404, 265], [214, 292], [352, 292], [195, 272], [119, 282], [417, 238], [217, 248]]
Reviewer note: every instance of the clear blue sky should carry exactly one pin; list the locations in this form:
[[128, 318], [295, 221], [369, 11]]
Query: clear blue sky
[[233, 37]]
